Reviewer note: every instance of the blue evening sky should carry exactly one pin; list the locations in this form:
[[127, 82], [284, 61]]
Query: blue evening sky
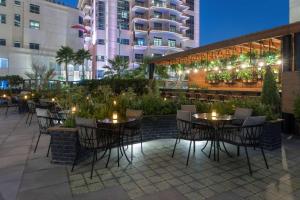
[[224, 19]]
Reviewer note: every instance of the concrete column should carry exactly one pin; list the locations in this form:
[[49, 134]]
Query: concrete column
[[287, 53], [297, 51]]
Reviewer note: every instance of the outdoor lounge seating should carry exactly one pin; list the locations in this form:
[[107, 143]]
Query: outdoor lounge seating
[[248, 135], [89, 139], [134, 128]]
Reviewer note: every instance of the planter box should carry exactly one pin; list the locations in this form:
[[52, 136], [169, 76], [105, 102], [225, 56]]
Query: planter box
[[158, 127], [272, 134]]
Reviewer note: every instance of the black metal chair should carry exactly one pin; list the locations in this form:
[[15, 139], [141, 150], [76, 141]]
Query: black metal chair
[[31, 111], [45, 121], [248, 135], [133, 129], [11, 103], [90, 139], [187, 130]]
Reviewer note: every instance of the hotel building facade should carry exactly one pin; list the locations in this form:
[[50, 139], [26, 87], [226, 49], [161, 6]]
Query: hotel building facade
[[138, 28], [31, 32]]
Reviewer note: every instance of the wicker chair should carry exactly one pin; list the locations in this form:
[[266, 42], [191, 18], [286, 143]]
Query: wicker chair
[[248, 135]]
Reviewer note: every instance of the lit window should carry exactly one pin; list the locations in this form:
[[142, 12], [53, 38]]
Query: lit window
[[17, 44], [17, 20], [34, 46], [2, 2], [3, 63], [2, 42], [140, 41], [157, 41], [2, 19], [34, 24], [34, 8], [17, 2], [171, 43]]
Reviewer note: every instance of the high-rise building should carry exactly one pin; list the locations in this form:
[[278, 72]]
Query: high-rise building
[[31, 32], [138, 28], [294, 11]]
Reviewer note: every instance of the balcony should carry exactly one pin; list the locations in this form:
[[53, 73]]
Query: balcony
[[165, 17], [166, 5], [144, 17], [165, 29], [164, 45], [138, 4]]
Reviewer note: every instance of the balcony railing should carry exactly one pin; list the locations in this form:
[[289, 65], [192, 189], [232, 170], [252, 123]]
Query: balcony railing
[[140, 4], [167, 17], [138, 28], [165, 44], [165, 29], [166, 5], [140, 17]]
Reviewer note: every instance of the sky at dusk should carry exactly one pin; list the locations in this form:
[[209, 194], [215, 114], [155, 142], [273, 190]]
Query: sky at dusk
[[224, 19]]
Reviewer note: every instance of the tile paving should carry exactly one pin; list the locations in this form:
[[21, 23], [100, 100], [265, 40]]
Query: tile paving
[[152, 175]]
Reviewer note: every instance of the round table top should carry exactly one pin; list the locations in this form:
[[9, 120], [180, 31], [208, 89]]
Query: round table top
[[117, 121], [213, 117]]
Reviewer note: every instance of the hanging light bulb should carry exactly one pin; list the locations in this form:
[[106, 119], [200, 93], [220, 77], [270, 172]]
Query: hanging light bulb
[[187, 71], [259, 68], [229, 67], [244, 65], [237, 70], [195, 70], [279, 62], [216, 68], [205, 69], [179, 72], [261, 64]]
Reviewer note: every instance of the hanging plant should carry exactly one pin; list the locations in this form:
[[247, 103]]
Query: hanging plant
[[271, 57], [213, 77], [228, 76], [247, 75]]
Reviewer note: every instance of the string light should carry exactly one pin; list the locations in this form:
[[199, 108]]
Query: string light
[[229, 67], [261, 64], [216, 68], [195, 70], [52, 99], [244, 65], [279, 62], [179, 72], [187, 71]]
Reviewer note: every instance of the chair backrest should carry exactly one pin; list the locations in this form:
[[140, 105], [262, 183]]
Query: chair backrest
[[252, 130], [134, 113], [190, 108], [240, 115], [31, 106], [184, 121], [43, 118], [87, 132]]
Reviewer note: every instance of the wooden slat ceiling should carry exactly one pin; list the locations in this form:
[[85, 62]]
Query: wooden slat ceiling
[[260, 42]]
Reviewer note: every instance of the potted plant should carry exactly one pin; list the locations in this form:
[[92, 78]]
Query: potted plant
[[212, 78], [297, 115], [270, 97], [228, 77]]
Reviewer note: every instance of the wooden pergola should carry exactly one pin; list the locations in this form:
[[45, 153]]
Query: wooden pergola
[[269, 40]]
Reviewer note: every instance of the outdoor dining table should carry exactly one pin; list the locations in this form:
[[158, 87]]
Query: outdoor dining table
[[116, 129], [217, 122]]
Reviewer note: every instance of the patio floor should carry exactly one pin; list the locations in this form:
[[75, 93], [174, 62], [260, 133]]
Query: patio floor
[[153, 174]]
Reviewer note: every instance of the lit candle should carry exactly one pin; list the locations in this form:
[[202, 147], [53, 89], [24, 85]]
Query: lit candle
[[213, 113], [115, 102], [4, 95], [165, 99], [279, 62], [25, 97], [115, 116], [52, 99], [73, 109]]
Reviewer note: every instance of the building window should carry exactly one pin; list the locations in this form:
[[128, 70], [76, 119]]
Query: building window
[[17, 20], [100, 74], [190, 24], [2, 19], [101, 42], [173, 17], [157, 41], [190, 3], [3, 63], [34, 46], [157, 55], [139, 57], [123, 41], [100, 58], [124, 58], [2, 42], [157, 26], [173, 28], [80, 20], [138, 26], [157, 14], [100, 15], [140, 41], [17, 2], [123, 14], [2, 2], [80, 34], [34, 24], [17, 44], [171, 43], [34, 8]]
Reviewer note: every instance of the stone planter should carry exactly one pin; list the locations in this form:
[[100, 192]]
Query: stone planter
[[272, 134], [64, 144]]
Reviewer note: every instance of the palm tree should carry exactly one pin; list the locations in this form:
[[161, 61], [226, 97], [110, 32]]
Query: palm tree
[[41, 73], [117, 66], [65, 55], [79, 57]]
